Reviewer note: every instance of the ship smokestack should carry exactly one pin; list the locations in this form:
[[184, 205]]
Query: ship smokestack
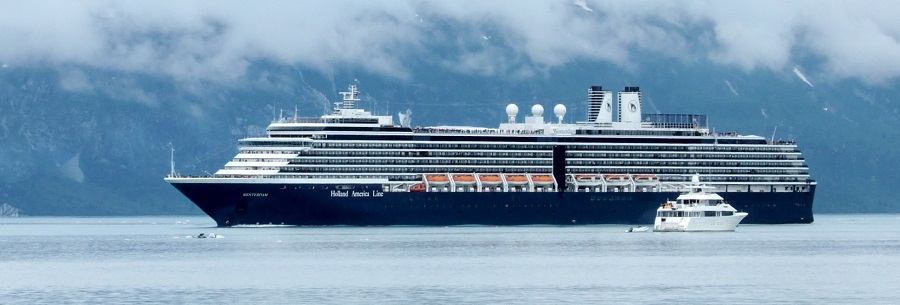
[[599, 105], [630, 105]]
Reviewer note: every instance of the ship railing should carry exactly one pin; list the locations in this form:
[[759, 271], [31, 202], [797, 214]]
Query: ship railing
[[331, 120], [197, 176], [783, 142], [477, 131], [674, 120]]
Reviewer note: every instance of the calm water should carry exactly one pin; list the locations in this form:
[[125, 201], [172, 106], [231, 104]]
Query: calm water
[[839, 259]]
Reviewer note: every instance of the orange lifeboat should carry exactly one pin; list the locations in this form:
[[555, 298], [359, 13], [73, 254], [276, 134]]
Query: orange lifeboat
[[437, 179], [616, 177], [417, 188], [645, 178], [590, 177], [490, 179], [542, 179], [516, 179], [464, 178]]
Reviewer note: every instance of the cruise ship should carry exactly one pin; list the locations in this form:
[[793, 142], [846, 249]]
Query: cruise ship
[[352, 167]]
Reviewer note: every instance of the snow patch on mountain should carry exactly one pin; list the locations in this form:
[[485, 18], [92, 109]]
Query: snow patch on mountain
[[583, 5], [7, 210], [802, 76], [72, 170], [730, 87]]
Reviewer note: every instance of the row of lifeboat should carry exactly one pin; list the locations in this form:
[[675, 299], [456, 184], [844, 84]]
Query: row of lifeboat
[[535, 178], [538, 180], [489, 179], [615, 177]]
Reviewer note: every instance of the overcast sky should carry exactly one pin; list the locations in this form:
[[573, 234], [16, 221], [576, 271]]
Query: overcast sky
[[216, 40]]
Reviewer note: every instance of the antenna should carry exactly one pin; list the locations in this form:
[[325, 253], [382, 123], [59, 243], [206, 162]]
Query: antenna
[[715, 137], [350, 98], [773, 134], [172, 163]]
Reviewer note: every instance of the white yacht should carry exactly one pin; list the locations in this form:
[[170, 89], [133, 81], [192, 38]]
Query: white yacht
[[697, 209]]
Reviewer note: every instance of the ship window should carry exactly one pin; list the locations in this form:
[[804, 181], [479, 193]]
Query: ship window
[[709, 213], [727, 213]]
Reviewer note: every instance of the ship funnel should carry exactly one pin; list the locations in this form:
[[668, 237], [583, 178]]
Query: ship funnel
[[599, 105], [511, 111], [630, 105]]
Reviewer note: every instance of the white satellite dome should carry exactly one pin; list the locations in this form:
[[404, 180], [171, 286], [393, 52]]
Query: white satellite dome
[[511, 111], [537, 110], [559, 110]]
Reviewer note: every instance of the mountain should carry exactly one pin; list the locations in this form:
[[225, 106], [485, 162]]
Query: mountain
[[77, 140]]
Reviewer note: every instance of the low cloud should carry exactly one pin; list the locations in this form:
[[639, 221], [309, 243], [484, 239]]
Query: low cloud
[[218, 40]]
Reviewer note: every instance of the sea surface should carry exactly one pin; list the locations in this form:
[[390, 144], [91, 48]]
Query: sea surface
[[839, 259]]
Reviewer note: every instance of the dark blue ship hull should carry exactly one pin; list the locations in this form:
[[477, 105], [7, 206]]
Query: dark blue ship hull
[[302, 204]]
